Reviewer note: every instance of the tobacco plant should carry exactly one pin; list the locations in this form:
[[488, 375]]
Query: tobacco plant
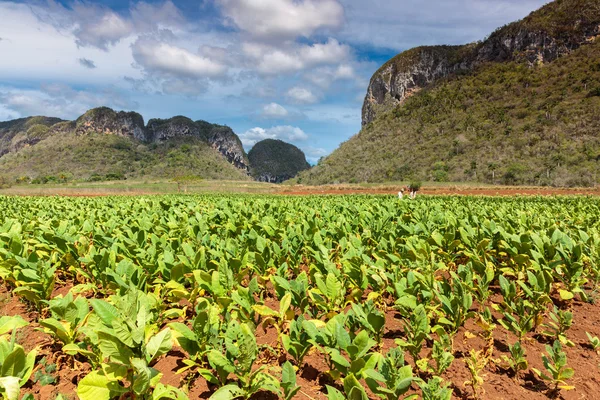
[[555, 363]]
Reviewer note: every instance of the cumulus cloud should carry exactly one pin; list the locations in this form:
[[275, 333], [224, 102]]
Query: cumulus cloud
[[300, 95], [58, 100], [272, 60], [148, 17], [286, 133], [276, 20], [323, 77], [87, 63], [98, 26], [274, 110], [164, 58]]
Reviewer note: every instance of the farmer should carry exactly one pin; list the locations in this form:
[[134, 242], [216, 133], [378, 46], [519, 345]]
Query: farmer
[[401, 193]]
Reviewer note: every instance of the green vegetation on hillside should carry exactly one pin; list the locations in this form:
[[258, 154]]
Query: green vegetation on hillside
[[111, 157], [565, 20], [276, 161], [505, 123]]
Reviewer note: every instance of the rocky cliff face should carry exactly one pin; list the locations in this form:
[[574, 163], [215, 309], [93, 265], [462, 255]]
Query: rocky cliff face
[[409, 72], [221, 138], [23, 132], [547, 34], [160, 130], [107, 121], [16, 134], [226, 142]]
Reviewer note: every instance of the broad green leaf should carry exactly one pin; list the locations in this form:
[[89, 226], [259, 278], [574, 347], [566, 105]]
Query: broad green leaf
[[228, 392], [95, 386], [159, 344], [8, 324]]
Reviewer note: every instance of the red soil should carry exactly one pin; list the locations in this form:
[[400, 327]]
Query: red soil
[[498, 384], [458, 190]]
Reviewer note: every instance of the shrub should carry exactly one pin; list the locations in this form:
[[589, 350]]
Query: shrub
[[115, 176], [4, 183], [594, 92], [415, 186]]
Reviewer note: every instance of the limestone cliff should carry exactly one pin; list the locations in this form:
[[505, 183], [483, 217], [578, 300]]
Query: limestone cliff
[[224, 140], [23, 132], [407, 73], [219, 137], [107, 121], [545, 35], [160, 130]]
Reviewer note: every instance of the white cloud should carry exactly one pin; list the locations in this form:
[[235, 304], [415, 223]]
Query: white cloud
[[331, 52], [99, 29], [153, 17], [300, 95], [325, 76], [163, 58], [272, 60], [277, 20], [263, 91], [6, 114], [286, 133], [56, 100], [274, 110], [37, 51]]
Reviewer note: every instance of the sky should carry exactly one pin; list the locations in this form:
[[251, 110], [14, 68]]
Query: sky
[[295, 70]]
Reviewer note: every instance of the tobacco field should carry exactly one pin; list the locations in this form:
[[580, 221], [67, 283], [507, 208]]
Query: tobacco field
[[319, 297]]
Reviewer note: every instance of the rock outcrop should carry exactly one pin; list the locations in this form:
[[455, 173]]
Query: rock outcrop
[[130, 124], [219, 137], [107, 121], [23, 132], [226, 142], [160, 130], [407, 73], [275, 161], [547, 34]]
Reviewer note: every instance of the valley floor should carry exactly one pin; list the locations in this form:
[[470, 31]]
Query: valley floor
[[132, 188]]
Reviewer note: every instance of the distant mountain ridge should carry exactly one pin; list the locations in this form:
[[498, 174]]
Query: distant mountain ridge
[[131, 124], [107, 144], [520, 107]]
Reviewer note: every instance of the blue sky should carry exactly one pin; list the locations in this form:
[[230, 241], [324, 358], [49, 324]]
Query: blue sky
[[296, 70]]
